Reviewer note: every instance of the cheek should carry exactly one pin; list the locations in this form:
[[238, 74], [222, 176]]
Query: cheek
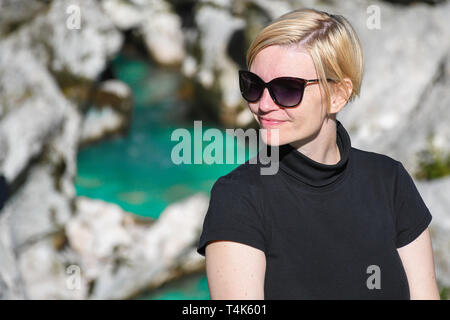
[[254, 110], [297, 125], [253, 107], [306, 117], [315, 100], [310, 109]]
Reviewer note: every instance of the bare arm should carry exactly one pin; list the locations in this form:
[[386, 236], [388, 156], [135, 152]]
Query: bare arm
[[235, 271], [417, 259]]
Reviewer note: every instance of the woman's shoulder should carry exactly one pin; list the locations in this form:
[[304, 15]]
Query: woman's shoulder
[[245, 174], [373, 160]]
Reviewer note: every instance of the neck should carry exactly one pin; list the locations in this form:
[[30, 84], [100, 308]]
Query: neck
[[322, 147]]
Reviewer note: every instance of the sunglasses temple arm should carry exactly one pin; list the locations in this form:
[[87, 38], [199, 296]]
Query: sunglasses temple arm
[[316, 80]]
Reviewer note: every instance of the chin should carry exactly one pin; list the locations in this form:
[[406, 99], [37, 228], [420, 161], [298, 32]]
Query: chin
[[272, 137]]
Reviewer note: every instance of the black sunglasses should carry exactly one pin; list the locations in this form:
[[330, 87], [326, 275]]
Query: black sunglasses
[[287, 92]]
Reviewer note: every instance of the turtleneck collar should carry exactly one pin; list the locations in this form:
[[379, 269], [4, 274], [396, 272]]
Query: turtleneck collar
[[313, 173]]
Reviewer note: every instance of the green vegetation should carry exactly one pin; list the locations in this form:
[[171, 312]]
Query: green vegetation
[[444, 293], [433, 163]]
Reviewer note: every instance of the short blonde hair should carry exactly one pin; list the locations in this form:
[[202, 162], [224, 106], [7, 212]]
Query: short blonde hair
[[330, 39]]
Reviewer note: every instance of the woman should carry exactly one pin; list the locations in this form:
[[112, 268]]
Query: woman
[[334, 222]]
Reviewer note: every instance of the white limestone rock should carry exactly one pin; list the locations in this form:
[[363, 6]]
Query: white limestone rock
[[49, 274], [123, 14], [43, 203], [53, 39], [11, 285], [100, 122], [217, 25], [159, 26], [164, 38], [14, 13], [123, 257], [111, 113], [32, 105]]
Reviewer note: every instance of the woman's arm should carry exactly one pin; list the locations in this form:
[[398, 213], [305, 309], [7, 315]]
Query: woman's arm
[[417, 259], [235, 271]]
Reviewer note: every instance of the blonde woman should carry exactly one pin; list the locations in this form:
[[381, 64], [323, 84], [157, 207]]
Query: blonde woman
[[334, 222]]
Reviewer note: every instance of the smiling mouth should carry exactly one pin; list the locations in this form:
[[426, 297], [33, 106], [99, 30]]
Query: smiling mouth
[[270, 123]]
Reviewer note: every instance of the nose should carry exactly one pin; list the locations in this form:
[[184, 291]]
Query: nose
[[266, 102]]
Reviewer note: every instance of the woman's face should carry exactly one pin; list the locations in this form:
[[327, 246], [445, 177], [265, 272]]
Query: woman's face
[[300, 122]]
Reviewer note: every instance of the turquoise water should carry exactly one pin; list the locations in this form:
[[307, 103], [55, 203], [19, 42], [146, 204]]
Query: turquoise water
[[136, 171]]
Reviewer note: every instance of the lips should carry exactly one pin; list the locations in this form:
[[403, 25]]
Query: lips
[[270, 122]]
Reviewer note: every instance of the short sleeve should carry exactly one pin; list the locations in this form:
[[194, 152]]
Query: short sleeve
[[411, 214], [233, 214]]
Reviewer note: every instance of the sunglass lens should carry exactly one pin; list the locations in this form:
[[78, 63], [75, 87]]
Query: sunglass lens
[[287, 92], [250, 86]]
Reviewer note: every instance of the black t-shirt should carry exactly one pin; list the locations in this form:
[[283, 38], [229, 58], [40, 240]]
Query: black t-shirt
[[328, 231]]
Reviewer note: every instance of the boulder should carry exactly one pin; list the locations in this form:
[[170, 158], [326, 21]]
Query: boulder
[[155, 21], [123, 255], [110, 113]]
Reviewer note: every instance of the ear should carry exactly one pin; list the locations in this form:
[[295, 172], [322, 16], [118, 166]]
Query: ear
[[340, 94]]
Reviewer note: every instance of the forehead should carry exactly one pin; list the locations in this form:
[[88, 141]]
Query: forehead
[[283, 61]]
